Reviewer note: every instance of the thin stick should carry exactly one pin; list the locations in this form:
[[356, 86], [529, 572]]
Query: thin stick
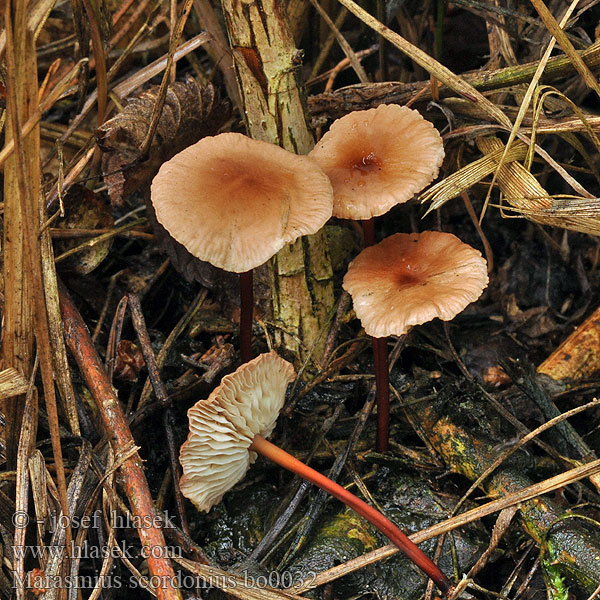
[[382, 523], [134, 481], [246, 313], [100, 60], [139, 323]]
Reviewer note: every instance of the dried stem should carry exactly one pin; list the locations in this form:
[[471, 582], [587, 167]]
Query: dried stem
[[139, 324], [122, 442]]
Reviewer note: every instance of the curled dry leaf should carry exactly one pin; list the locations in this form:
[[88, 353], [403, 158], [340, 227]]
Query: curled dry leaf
[[129, 361], [83, 210], [191, 112]]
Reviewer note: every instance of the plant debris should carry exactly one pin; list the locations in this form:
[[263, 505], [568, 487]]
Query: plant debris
[[112, 330]]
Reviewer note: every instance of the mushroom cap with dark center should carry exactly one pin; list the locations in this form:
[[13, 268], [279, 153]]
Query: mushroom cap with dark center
[[215, 455], [411, 278], [235, 202], [378, 158]]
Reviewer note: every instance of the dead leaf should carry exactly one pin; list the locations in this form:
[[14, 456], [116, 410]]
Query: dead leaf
[[191, 112], [83, 210], [129, 361]]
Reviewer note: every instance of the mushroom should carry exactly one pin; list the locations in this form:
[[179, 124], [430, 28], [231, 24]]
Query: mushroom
[[378, 158], [375, 159], [235, 202], [409, 279], [229, 427]]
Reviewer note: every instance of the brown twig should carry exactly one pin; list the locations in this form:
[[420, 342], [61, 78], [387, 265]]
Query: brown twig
[[139, 323], [100, 60], [162, 93], [134, 481], [114, 337]]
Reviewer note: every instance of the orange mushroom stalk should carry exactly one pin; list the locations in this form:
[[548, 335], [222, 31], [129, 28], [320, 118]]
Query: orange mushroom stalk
[[375, 159], [229, 428], [235, 202], [412, 551]]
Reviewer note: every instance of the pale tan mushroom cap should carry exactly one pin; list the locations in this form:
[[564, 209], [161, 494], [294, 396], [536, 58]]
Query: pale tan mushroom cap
[[235, 202], [378, 158], [215, 455], [410, 278]]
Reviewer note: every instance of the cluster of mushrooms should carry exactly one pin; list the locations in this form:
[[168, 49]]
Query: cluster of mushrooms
[[235, 202]]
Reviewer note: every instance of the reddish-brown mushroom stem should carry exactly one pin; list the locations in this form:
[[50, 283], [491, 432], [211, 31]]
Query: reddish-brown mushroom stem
[[380, 357], [368, 227], [246, 314], [382, 384], [417, 556]]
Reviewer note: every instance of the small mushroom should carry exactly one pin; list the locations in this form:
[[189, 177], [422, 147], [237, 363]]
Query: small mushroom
[[411, 278], [378, 158], [375, 159], [235, 202], [229, 428]]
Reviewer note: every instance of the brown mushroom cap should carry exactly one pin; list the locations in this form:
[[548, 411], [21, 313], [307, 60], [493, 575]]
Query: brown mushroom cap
[[215, 455], [411, 278], [235, 202], [378, 158]]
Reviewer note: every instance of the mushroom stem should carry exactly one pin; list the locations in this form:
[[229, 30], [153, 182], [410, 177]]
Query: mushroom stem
[[382, 384], [369, 232], [417, 556], [246, 313], [382, 374]]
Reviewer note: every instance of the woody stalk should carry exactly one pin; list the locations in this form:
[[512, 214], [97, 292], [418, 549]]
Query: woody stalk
[[266, 63]]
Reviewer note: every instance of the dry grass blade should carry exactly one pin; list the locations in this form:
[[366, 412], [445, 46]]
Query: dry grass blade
[[556, 30], [37, 15], [57, 91], [527, 197], [25, 191], [437, 70], [12, 383], [469, 516], [162, 94], [463, 179], [515, 180], [526, 101], [218, 48], [62, 372], [139, 78], [26, 447], [235, 585], [99, 239], [344, 45]]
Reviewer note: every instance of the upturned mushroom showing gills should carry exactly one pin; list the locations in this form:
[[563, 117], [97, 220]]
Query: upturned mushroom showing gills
[[375, 159], [235, 202], [229, 428]]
